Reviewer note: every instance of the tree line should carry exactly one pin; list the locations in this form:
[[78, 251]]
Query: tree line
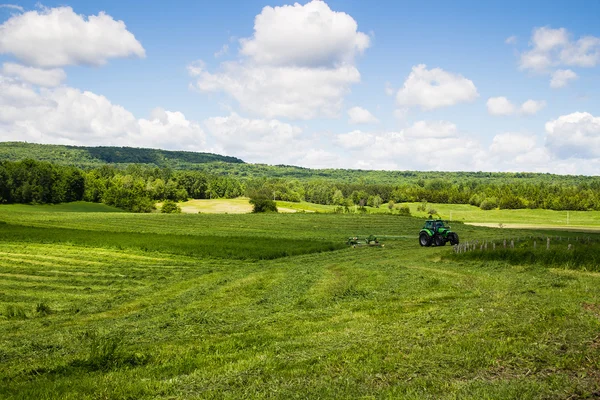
[[137, 188]]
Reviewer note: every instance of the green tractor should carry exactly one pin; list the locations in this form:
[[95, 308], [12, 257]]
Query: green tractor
[[437, 232]]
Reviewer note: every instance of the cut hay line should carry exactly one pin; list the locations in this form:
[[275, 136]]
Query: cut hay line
[[567, 228], [62, 260], [27, 277]]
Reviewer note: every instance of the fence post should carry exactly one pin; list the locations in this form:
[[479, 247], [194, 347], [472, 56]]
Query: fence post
[[547, 243]]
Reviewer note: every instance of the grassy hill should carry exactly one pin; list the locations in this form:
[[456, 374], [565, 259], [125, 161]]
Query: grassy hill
[[97, 156]]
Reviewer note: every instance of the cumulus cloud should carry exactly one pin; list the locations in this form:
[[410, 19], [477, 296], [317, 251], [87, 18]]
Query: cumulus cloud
[[410, 148], [435, 88], [512, 143], [298, 93], [354, 140], [310, 35], [575, 135], [257, 140], [561, 78], [36, 76], [298, 64], [501, 106], [56, 37], [70, 116], [531, 107], [554, 48], [431, 130], [359, 115], [517, 152], [511, 40]]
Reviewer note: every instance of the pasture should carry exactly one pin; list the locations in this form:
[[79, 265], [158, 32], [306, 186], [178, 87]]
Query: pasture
[[523, 218], [101, 305]]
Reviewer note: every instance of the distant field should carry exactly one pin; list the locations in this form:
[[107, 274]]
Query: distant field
[[76, 206], [468, 213], [131, 306], [241, 206], [524, 218]]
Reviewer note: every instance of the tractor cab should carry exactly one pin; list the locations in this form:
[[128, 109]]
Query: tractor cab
[[436, 225], [437, 232]]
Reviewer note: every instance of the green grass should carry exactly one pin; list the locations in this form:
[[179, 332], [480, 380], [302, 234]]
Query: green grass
[[468, 213], [237, 247], [81, 318], [76, 207]]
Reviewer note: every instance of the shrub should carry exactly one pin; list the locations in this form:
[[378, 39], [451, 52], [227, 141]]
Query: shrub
[[404, 210], [489, 204], [475, 200], [170, 207]]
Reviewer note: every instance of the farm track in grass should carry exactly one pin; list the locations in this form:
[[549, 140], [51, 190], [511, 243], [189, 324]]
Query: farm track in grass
[[84, 319]]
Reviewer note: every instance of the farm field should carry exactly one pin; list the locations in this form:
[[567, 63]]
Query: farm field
[[525, 218], [99, 305]]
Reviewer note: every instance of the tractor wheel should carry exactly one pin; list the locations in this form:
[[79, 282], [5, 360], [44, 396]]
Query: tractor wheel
[[453, 238], [424, 239], [438, 240]]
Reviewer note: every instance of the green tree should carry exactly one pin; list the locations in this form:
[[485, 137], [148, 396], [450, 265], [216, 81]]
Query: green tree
[[262, 202]]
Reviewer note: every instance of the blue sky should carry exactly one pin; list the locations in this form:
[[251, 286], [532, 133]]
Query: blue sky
[[504, 86]]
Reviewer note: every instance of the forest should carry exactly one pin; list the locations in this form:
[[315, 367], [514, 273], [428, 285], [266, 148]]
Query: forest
[[137, 187]]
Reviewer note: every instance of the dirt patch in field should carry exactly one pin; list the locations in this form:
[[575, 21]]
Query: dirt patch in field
[[286, 210], [533, 226], [222, 207]]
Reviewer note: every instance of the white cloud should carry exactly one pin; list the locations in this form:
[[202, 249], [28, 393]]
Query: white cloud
[[12, 7], [69, 116], [310, 35], [555, 48], [36, 76], [517, 152], [561, 77], [359, 115], [319, 158], [299, 93], [298, 64], [501, 106], [511, 40], [256, 140], [575, 135], [435, 88], [224, 50], [531, 107], [512, 143], [354, 140], [389, 89], [431, 130], [57, 37], [411, 148]]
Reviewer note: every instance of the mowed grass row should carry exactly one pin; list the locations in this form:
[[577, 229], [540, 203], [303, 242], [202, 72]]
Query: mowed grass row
[[237, 247], [336, 227], [372, 322]]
